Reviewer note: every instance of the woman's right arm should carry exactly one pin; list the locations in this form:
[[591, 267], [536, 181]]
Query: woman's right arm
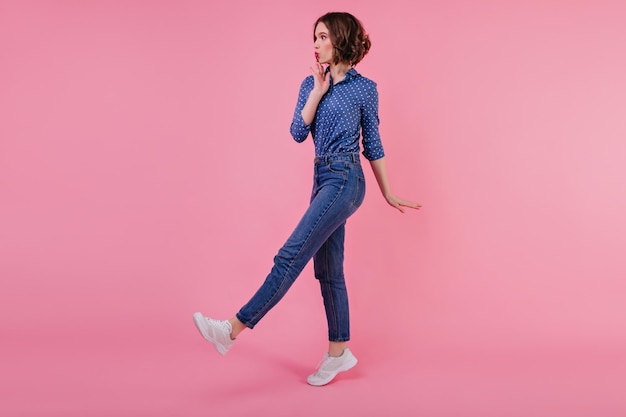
[[310, 107], [308, 100], [320, 87]]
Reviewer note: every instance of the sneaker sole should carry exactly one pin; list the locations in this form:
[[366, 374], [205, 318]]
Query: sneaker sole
[[201, 324], [351, 364]]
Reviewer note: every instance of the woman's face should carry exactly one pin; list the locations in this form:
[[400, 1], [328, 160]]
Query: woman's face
[[323, 46]]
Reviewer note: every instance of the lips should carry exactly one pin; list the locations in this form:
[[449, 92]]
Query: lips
[[317, 56]]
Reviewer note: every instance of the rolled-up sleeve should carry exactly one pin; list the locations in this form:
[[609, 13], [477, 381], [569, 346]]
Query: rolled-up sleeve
[[372, 145], [299, 130]]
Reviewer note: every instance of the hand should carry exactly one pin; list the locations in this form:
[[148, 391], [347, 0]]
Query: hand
[[322, 82], [399, 203]]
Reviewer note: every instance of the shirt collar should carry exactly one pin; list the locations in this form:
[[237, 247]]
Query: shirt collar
[[350, 74]]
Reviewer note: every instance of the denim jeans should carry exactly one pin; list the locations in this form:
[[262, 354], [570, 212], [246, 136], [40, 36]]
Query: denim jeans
[[338, 190]]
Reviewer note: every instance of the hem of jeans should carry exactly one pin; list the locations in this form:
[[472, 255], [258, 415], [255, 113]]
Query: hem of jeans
[[244, 322], [339, 340]]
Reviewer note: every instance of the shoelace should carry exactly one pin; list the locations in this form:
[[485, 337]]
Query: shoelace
[[321, 363], [219, 324]]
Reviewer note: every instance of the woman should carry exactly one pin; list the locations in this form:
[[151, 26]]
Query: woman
[[335, 104]]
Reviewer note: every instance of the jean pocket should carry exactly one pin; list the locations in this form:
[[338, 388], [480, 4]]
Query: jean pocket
[[359, 192], [359, 172], [337, 167]]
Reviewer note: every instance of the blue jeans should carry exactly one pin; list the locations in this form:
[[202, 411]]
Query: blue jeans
[[338, 190]]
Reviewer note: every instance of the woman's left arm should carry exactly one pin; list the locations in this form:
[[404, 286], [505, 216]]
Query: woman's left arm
[[380, 172]]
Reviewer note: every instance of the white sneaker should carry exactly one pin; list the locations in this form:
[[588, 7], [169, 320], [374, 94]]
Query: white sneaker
[[330, 366], [215, 331]]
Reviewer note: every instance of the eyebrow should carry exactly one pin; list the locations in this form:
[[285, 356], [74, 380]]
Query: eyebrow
[[321, 33]]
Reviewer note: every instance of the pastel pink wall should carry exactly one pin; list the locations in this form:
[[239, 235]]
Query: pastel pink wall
[[146, 169]]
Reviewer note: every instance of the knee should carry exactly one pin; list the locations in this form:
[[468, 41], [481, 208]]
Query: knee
[[321, 276]]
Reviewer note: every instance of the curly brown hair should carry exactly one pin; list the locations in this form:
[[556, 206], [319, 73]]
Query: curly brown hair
[[350, 42]]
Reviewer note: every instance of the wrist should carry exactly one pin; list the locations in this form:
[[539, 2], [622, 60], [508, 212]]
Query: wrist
[[316, 94]]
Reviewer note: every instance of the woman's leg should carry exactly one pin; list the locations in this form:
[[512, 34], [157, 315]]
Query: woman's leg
[[236, 326], [338, 191], [329, 271], [328, 265], [332, 204]]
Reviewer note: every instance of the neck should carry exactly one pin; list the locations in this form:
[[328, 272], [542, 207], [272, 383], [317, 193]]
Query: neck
[[338, 71]]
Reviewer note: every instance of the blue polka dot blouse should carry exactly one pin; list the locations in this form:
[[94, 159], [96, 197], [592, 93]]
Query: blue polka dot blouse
[[347, 110]]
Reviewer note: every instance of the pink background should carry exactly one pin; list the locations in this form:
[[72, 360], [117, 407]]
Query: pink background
[[146, 172]]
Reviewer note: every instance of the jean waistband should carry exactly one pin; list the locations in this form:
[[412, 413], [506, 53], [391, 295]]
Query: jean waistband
[[349, 157]]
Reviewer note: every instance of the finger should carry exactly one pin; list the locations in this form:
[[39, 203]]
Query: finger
[[397, 206], [316, 70], [323, 72], [407, 203]]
